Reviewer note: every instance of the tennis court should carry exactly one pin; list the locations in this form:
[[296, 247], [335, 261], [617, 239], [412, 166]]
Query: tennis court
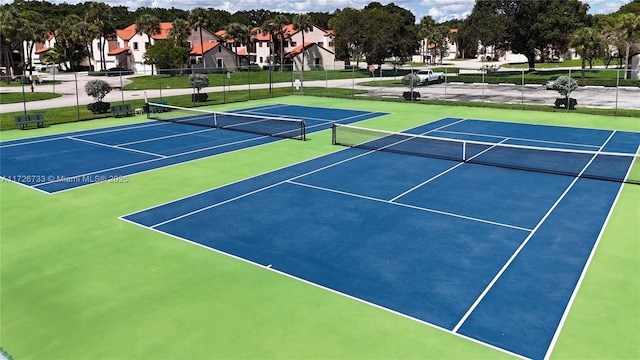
[[491, 251], [61, 162]]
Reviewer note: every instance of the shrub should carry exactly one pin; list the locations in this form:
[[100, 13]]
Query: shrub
[[97, 89], [565, 85], [198, 81], [411, 80]]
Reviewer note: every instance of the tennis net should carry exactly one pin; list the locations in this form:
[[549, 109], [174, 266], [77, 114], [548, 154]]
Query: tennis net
[[612, 166], [255, 124]]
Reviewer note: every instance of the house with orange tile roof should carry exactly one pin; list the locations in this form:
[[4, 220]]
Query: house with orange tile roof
[[322, 54], [215, 55], [127, 48]]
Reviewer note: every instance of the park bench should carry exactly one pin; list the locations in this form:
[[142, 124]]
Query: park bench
[[124, 109], [157, 109], [23, 121]]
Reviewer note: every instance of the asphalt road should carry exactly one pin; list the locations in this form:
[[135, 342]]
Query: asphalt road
[[593, 97]]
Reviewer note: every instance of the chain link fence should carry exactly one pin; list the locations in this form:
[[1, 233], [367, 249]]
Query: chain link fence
[[62, 97]]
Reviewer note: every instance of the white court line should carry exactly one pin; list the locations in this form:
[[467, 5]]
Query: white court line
[[270, 267], [166, 137], [586, 266], [446, 171], [116, 147], [272, 185], [410, 206], [25, 185], [525, 242], [64, 136], [161, 167], [66, 179], [521, 139]]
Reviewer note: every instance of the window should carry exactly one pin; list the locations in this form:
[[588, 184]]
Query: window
[[220, 63], [261, 60], [135, 46], [260, 44], [146, 45], [219, 48], [293, 44]]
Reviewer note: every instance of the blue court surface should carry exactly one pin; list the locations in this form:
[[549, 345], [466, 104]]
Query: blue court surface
[[65, 161], [488, 253]]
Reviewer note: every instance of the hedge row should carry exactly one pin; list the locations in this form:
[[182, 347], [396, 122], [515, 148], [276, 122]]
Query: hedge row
[[489, 79]]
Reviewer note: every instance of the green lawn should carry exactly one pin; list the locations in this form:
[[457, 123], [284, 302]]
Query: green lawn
[[78, 283], [240, 78], [12, 97]]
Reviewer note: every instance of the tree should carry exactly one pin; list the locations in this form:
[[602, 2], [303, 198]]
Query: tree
[[166, 55], [8, 37], [280, 21], [32, 31], [270, 28], [589, 44], [565, 85], [404, 41], [199, 81], [150, 25], [302, 23], [411, 81], [240, 34], [530, 27], [349, 32], [427, 30], [629, 29], [100, 16], [198, 19], [180, 32], [387, 35], [486, 25]]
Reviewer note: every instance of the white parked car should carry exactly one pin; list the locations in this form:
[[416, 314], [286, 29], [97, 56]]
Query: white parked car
[[428, 76]]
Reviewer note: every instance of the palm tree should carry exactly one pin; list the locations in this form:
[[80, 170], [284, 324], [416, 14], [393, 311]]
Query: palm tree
[[589, 44], [150, 25], [82, 33], [32, 30], [302, 23], [269, 27], [100, 16], [8, 37], [198, 18], [427, 30], [280, 21], [629, 28], [180, 32], [240, 34]]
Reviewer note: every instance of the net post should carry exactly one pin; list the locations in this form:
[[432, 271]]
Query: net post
[[303, 130], [464, 151], [333, 134]]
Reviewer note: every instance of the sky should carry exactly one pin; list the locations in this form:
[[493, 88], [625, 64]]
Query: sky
[[440, 10]]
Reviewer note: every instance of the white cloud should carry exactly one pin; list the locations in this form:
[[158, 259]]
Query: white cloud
[[440, 10]]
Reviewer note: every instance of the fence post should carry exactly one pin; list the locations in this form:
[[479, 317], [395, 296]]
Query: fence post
[[522, 90], [75, 77], [617, 87]]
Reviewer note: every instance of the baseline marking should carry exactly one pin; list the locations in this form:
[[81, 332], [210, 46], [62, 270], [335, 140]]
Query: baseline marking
[[584, 269], [270, 267]]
